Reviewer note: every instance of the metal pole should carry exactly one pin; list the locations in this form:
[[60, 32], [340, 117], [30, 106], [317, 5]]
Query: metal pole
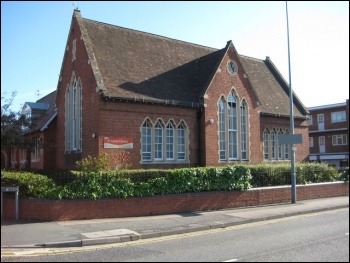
[[292, 147]]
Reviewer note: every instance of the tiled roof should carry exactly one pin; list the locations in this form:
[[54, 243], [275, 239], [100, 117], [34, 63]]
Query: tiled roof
[[144, 66], [140, 66], [270, 87]]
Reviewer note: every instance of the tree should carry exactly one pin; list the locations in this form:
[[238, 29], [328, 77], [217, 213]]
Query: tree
[[12, 127]]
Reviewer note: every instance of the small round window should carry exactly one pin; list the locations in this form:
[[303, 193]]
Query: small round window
[[232, 67]]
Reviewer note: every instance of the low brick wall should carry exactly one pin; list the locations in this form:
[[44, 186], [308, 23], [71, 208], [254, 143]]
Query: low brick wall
[[59, 210]]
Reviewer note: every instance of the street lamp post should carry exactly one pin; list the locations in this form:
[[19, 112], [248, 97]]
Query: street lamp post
[[293, 174]]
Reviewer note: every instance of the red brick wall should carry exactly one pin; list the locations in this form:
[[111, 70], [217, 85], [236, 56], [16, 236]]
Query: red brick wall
[[49, 210], [107, 118], [222, 84], [83, 70], [329, 126], [125, 119]]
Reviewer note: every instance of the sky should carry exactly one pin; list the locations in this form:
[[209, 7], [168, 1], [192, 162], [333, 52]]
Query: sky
[[34, 35]]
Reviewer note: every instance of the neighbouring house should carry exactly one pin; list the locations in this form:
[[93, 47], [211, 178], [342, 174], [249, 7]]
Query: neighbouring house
[[329, 134], [41, 113], [169, 103]]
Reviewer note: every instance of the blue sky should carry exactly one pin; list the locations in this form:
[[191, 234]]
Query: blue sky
[[34, 35]]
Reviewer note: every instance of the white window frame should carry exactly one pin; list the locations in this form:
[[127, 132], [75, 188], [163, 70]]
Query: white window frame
[[158, 141], [164, 143], [339, 139], [222, 130], [73, 116], [244, 130], [181, 141], [310, 121], [35, 154], [232, 111], [338, 116], [146, 137], [170, 141], [311, 142]]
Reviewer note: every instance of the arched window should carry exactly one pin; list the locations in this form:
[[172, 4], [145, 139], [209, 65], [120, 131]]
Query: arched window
[[73, 116], [170, 141], [266, 136], [286, 148], [232, 126], [280, 147], [158, 141], [222, 129], [164, 143], [244, 130], [273, 144], [146, 153], [181, 142]]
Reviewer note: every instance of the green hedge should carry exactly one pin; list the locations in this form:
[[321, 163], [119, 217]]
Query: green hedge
[[137, 183]]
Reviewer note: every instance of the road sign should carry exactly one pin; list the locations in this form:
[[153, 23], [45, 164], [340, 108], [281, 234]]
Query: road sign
[[290, 139]]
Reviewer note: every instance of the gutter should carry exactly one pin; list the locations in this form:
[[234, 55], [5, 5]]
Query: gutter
[[197, 105], [282, 115]]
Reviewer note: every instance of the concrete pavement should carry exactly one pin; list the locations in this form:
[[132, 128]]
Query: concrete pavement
[[17, 234]]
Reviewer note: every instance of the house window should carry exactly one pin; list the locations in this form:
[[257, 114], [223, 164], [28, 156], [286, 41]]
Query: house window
[[266, 136], [159, 139], [232, 67], [36, 151], [73, 116], [170, 141], [272, 149], [310, 121], [286, 149], [222, 129], [311, 141], [181, 142], [338, 116], [339, 139], [280, 147], [233, 128], [146, 141], [273, 144], [244, 130]]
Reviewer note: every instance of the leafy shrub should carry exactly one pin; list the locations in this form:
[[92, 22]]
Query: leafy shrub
[[30, 185], [105, 162]]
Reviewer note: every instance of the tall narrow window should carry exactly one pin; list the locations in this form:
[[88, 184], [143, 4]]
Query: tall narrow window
[[170, 141], [280, 147], [286, 148], [266, 144], [146, 141], [158, 141], [222, 129], [73, 116], [244, 130], [232, 126], [35, 153], [181, 142], [273, 144]]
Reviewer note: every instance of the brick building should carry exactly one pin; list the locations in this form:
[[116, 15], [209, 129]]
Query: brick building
[[329, 134], [169, 103]]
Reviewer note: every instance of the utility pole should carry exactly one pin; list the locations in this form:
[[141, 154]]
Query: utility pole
[[292, 146]]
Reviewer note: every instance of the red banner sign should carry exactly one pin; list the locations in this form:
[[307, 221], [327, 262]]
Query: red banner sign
[[118, 143]]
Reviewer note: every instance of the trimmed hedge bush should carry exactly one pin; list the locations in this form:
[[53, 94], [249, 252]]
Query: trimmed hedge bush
[[137, 183]]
